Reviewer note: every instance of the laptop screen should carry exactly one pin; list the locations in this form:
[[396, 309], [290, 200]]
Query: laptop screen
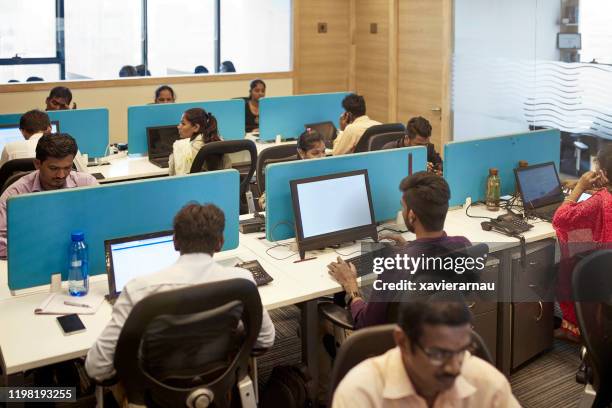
[[539, 185], [160, 140], [130, 257]]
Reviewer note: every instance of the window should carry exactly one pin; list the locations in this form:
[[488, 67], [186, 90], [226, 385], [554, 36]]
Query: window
[[596, 31], [256, 35]]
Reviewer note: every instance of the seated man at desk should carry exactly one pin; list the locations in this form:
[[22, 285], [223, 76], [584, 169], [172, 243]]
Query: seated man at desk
[[418, 133], [32, 124], [431, 365], [353, 124], [59, 99], [198, 234], [424, 200], [54, 156]]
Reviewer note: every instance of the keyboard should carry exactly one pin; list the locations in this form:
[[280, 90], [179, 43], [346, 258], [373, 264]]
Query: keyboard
[[365, 262], [163, 162], [259, 273]]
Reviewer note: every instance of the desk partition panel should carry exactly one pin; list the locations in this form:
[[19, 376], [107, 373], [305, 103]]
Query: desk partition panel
[[229, 115], [89, 127], [386, 168], [466, 164], [39, 225], [287, 115]]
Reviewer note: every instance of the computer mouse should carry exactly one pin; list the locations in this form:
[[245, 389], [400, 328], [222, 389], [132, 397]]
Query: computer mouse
[[486, 226]]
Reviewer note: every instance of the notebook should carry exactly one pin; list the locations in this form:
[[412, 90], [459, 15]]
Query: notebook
[[54, 304]]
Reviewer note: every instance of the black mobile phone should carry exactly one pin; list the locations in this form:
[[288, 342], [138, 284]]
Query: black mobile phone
[[71, 324]]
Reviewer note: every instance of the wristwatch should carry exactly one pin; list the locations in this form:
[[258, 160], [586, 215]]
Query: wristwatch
[[350, 296]]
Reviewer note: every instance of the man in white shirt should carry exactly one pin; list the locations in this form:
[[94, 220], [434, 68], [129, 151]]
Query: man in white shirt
[[198, 234], [353, 124], [431, 366], [33, 125]]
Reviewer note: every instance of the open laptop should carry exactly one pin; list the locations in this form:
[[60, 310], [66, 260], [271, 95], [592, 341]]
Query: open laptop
[[159, 142], [540, 189], [327, 130], [11, 133]]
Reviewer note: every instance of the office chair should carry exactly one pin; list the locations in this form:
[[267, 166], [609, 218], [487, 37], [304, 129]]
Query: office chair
[[227, 66], [12, 168], [190, 346], [364, 143], [592, 290], [212, 152], [374, 341], [274, 154], [378, 141]]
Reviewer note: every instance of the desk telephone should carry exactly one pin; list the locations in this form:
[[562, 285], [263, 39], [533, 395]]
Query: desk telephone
[[507, 224]]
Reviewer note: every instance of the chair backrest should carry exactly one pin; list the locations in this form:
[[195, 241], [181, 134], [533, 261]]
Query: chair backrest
[[378, 141], [14, 166], [181, 344], [216, 150], [374, 341], [364, 143], [592, 290], [274, 154]]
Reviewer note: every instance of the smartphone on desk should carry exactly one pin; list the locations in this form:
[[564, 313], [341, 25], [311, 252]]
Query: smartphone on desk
[[70, 324]]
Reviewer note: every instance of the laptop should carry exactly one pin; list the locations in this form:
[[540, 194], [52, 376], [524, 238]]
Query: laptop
[[159, 142], [11, 133], [540, 189], [327, 130]]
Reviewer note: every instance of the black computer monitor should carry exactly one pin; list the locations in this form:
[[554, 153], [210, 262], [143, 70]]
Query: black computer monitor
[[160, 140], [332, 209]]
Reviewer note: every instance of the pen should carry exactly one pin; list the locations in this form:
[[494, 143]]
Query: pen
[[67, 303]]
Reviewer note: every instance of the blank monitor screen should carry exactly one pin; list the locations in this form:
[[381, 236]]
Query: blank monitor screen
[[140, 256], [334, 204], [539, 185]]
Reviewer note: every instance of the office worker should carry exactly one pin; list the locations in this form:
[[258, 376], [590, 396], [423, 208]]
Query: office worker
[[257, 90], [197, 128], [165, 94], [418, 133], [33, 125], [53, 162], [424, 206], [59, 98], [431, 365], [581, 227], [198, 234], [353, 124], [310, 145]]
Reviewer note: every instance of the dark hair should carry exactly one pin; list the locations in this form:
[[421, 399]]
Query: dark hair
[[439, 309], [200, 69], [34, 121], [354, 104], [61, 92], [34, 79], [307, 140], [418, 126], [604, 158], [56, 145], [427, 195], [227, 66], [128, 71], [164, 88], [207, 122], [198, 228], [254, 83]]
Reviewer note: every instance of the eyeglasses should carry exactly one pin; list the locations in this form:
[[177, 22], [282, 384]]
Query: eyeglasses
[[439, 356]]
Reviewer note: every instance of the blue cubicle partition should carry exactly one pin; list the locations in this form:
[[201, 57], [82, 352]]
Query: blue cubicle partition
[[39, 239], [229, 115], [386, 168], [287, 115], [89, 127], [466, 164]]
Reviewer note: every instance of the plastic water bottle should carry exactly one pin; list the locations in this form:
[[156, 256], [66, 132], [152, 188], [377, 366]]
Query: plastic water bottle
[[78, 273]]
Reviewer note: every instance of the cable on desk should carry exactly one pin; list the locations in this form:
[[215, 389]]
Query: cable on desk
[[276, 226], [277, 258], [475, 216]]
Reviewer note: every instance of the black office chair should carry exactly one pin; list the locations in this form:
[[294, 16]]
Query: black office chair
[[378, 141], [191, 346], [274, 154], [592, 290], [374, 341], [210, 157], [364, 143], [12, 168], [227, 66]]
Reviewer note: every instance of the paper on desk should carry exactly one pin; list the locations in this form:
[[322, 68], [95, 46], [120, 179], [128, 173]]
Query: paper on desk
[[54, 304]]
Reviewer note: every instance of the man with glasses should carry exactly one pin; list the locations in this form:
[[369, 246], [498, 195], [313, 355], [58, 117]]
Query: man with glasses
[[418, 133], [431, 365]]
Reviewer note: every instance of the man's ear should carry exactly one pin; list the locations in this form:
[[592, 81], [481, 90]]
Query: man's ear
[[220, 244], [37, 164], [400, 338], [412, 216]]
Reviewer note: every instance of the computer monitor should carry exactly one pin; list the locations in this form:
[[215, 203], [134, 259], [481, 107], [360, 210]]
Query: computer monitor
[[539, 185], [11, 133], [332, 209], [130, 257], [325, 129], [160, 140]]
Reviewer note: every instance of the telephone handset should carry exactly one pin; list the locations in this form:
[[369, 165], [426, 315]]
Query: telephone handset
[[507, 224]]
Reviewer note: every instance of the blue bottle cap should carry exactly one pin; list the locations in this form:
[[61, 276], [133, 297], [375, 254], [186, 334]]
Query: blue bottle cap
[[77, 236]]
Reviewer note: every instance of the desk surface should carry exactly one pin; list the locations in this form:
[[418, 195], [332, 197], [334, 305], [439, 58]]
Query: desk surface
[[28, 340]]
